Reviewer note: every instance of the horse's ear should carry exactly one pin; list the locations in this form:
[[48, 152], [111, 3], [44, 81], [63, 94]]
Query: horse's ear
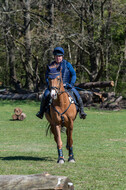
[[59, 68], [48, 68]]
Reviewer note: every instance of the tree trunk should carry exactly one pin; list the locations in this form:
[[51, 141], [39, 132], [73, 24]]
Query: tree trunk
[[27, 40], [10, 47], [125, 45], [50, 30], [117, 75]]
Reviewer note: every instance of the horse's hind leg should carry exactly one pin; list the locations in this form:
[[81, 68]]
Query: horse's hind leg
[[69, 144]]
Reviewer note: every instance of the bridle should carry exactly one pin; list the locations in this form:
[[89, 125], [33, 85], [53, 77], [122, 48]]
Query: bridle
[[57, 89]]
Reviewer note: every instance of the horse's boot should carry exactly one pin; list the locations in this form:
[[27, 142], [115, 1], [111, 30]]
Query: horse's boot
[[42, 108], [81, 109]]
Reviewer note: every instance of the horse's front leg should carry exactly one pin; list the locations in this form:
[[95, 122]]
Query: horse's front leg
[[69, 144], [59, 145]]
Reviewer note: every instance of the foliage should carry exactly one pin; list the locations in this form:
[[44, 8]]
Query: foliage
[[99, 147], [92, 33]]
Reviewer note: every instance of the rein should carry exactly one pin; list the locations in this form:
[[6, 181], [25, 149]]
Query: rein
[[61, 114]]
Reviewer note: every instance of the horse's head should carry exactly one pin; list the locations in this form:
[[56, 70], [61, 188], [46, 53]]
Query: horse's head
[[55, 78]]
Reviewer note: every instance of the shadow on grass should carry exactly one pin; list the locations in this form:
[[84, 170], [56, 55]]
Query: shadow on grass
[[27, 158]]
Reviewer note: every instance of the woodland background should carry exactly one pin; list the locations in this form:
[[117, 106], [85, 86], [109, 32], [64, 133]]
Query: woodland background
[[92, 33]]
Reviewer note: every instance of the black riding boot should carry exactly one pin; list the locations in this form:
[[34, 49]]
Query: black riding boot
[[81, 109], [42, 108]]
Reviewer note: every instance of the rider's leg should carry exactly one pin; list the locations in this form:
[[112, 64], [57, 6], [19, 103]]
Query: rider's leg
[[44, 103], [80, 102]]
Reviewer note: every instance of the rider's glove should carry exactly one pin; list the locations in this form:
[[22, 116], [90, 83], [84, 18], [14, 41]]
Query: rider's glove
[[68, 86]]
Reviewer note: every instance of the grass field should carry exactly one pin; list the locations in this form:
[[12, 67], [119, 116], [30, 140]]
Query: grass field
[[99, 147]]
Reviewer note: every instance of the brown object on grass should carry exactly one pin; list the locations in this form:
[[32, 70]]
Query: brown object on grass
[[17, 111], [14, 117], [22, 116]]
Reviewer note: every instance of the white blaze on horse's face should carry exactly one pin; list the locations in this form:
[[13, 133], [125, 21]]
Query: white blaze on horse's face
[[55, 86], [53, 94]]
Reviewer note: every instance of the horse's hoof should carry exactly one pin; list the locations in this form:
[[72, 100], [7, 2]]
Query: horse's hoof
[[71, 160], [61, 161]]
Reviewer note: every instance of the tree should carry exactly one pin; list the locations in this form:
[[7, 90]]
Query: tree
[[27, 43], [10, 45], [92, 34]]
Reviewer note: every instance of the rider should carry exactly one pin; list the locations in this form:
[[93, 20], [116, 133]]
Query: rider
[[69, 78]]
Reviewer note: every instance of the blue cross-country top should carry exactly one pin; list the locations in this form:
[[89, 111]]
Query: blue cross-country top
[[68, 72]]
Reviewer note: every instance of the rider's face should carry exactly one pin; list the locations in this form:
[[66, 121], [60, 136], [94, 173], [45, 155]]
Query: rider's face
[[58, 58]]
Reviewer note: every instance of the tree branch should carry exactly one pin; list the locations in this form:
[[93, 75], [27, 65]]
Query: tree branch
[[78, 45]]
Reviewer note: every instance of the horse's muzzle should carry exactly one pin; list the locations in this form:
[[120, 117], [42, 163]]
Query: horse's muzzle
[[53, 94]]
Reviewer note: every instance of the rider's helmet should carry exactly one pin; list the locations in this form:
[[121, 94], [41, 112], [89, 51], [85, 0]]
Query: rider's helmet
[[58, 51]]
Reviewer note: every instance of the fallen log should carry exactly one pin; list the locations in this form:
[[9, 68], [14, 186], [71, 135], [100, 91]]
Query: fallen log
[[118, 99], [86, 97], [12, 96], [19, 117], [18, 114], [108, 94], [89, 85], [17, 111], [98, 97], [3, 90], [22, 116], [89, 98], [112, 103], [14, 117], [35, 182], [113, 106], [122, 103]]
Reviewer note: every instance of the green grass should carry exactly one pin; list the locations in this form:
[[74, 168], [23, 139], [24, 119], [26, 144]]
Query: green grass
[[99, 147]]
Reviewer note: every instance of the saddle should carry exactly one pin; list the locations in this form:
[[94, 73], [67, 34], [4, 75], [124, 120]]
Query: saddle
[[72, 97]]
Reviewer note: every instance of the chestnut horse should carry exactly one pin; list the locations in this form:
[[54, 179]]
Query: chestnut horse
[[62, 113]]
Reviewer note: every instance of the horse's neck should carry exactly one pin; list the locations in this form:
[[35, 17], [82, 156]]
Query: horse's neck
[[62, 89], [64, 99]]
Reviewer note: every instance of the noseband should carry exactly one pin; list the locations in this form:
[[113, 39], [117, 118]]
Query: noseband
[[55, 88]]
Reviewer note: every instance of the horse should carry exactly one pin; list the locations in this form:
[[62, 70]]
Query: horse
[[62, 112]]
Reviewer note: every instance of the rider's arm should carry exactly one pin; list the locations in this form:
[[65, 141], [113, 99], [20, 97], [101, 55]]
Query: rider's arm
[[72, 72]]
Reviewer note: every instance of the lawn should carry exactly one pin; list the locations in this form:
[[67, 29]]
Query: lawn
[[99, 147]]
